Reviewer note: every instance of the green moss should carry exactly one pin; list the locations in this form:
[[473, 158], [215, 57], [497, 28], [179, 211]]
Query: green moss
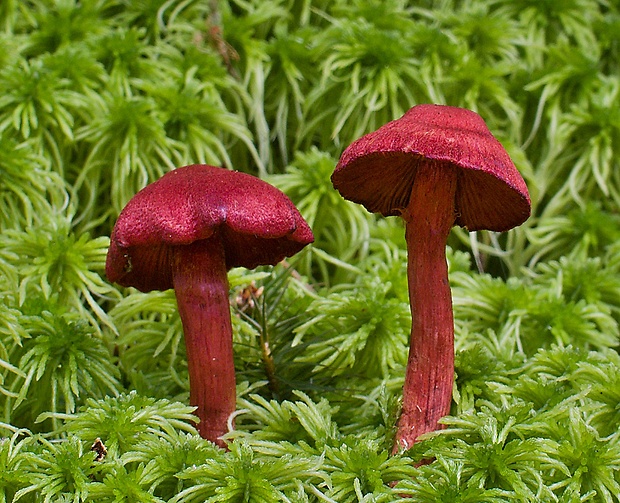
[[100, 97]]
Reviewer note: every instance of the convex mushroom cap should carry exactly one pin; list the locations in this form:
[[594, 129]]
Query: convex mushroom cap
[[257, 224], [379, 169]]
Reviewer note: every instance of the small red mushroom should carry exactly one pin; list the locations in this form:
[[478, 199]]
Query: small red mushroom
[[185, 231], [435, 167]]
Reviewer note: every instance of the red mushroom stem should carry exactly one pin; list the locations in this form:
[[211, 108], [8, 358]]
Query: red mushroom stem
[[427, 391], [201, 288]]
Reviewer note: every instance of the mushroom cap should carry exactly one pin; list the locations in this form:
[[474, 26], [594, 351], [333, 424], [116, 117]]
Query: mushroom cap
[[379, 169], [257, 223]]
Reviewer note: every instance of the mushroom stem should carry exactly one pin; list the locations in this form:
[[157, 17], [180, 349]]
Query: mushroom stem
[[201, 287], [427, 391]]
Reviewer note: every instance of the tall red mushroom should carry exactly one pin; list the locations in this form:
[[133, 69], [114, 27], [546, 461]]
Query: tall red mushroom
[[185, 231], [436, 167]]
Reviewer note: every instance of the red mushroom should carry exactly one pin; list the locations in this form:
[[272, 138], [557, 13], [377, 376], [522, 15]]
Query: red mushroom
[[436, 166], [185, 231]]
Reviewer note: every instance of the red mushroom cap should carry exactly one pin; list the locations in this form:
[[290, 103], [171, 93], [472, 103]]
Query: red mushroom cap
[[379, 169], [256, 222]]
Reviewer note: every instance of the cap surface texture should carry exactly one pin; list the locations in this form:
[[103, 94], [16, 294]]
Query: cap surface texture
[[379, 169], [257, 223]]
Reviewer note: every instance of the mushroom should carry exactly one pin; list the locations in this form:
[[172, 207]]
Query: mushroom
[[436, 167], [185, 231]]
